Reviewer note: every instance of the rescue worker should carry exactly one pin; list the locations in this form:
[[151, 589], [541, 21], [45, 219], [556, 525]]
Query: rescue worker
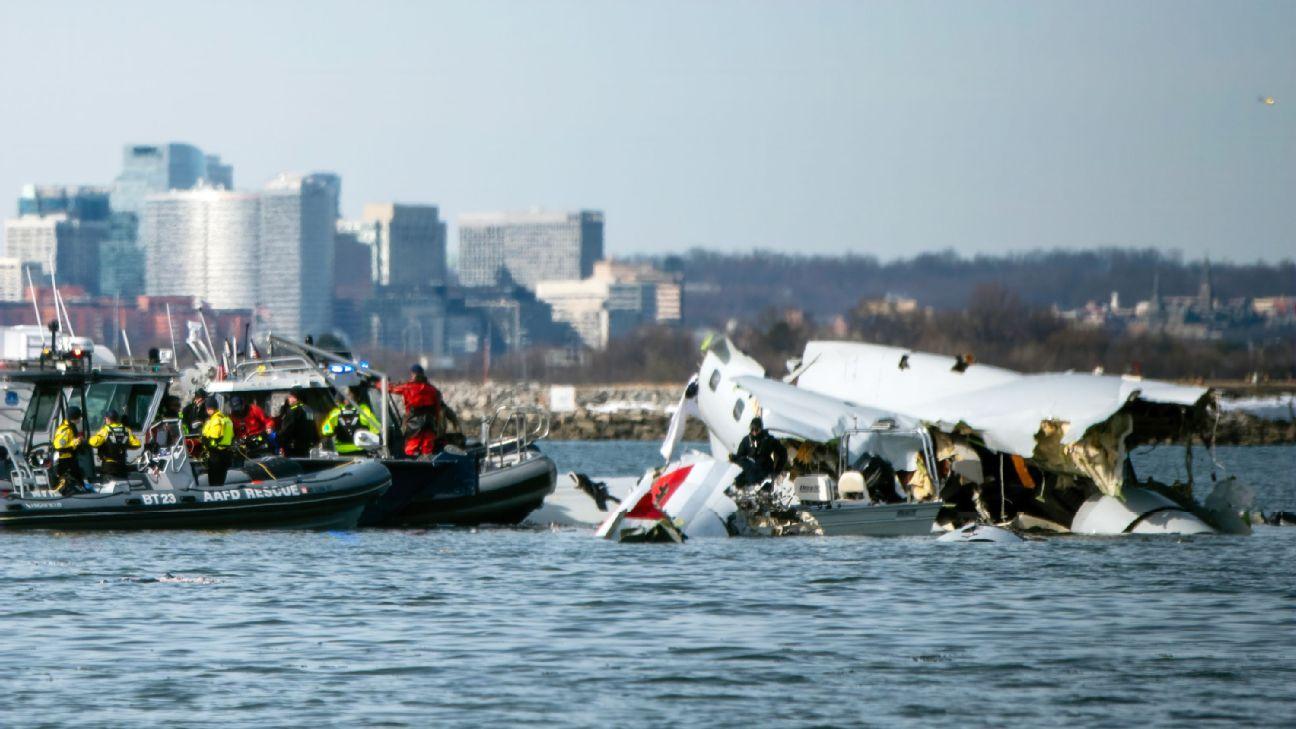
[[218, 437], [760, 455], [344, 421], [296, 428], [422, 407], [112, 441], [67, 441], [194, 415], [250, 427]]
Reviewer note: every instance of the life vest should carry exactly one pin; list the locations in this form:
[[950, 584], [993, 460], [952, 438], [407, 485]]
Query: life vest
[[112, 441], [342, 425], [218, 432], [66, 440]]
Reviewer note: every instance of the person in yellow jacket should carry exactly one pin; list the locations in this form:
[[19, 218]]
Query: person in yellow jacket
[[218, 438], [342, 424], [67, 441], [112, 441]]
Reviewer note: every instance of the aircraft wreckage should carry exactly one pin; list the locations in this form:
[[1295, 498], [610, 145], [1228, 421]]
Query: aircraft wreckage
[[884, 441]]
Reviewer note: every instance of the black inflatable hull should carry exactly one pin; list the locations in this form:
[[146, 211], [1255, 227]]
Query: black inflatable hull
[[332, 498], [447, 490]]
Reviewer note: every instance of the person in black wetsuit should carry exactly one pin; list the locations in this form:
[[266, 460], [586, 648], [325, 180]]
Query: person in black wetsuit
[[194, 415], [760, 455], [296, 427]]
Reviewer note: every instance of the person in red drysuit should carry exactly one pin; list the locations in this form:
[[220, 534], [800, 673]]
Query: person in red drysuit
[[250, 426], [422, 409]]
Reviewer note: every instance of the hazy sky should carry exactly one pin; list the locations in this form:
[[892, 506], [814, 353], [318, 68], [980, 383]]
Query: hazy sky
[[882, 128]]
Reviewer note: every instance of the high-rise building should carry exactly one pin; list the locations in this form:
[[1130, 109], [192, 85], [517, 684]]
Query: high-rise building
[[271, 251], [598, 309], [298, 225], [86, 203], [81, 224], [203, 243], [353, 259], [528, 247], [57, 246], [410, 249], [219, 174], [663, 290], [148, 169], [353, 284]]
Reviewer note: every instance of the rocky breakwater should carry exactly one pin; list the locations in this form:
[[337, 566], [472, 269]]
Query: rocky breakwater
[[577, 412]]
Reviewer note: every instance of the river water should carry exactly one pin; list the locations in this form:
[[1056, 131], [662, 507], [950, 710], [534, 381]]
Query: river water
[[514, 627]]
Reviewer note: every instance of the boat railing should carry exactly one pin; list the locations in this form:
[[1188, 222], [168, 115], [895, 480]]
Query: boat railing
[[25, 476], [256, 369], [510, 430], [170, 457]]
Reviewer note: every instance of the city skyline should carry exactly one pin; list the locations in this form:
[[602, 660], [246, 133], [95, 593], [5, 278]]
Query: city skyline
[[822, 127]]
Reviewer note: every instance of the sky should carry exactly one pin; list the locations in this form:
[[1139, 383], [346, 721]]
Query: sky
[[876, 128]]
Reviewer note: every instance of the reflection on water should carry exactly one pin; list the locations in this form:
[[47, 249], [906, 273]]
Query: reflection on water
[[514, 627]]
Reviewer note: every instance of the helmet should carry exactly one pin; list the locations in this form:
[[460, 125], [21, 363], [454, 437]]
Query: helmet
[[236, 404], [73, 412], [200, 393], [757, 424], [213, 403], [416, 369], [112, 415]]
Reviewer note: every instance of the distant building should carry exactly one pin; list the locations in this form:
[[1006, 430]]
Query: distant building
[[13, 285], [298, 226], [80, 214], [144, 318], [149, 169], [597, 309], [87, 203], [353, 259], [663, 290], [204, 243], [270, 251], [57, 246], [410, 244], [528, 247], [353, 285], [219, 174]]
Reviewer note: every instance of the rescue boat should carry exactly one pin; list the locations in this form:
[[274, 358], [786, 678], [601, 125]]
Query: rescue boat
[[163, 488], [499, 477]]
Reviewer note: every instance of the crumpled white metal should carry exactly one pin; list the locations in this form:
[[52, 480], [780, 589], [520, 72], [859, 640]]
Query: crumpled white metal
[[1005, 407]]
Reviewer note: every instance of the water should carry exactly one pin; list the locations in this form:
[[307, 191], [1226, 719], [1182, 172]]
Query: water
[[517, 627]]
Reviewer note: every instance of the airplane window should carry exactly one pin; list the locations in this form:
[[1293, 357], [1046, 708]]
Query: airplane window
[[738, 409], [714, 381]]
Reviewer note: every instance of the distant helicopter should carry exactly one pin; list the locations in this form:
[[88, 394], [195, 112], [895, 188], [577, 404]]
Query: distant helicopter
[[1267, 100]]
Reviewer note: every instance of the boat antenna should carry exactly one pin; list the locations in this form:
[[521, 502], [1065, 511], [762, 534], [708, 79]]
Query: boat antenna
[[126, 341], [117, 323], [31, 286], [206, 332], [175, 354], [58, 302], [60, 308]]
